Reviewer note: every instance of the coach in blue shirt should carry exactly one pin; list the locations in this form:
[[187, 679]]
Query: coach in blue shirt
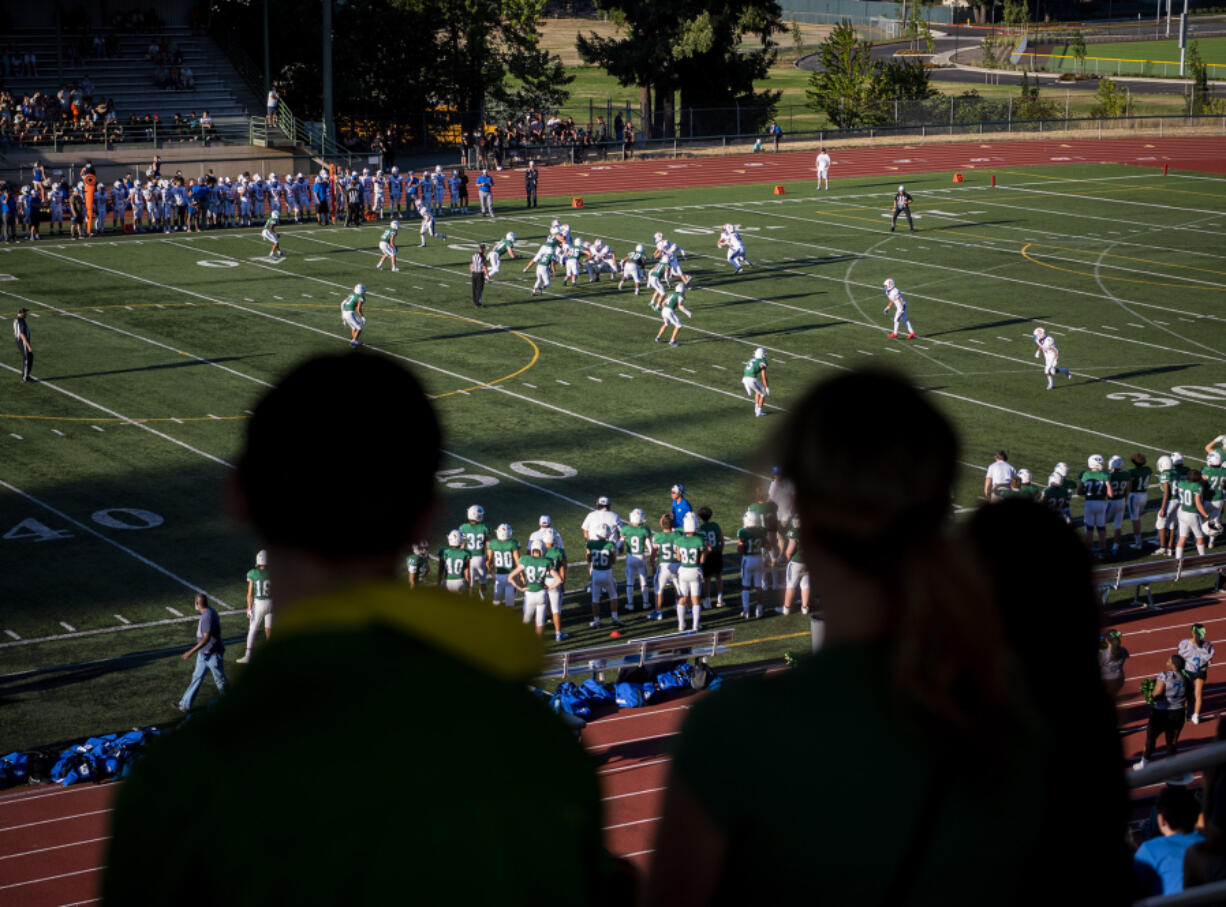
[[485, 191]]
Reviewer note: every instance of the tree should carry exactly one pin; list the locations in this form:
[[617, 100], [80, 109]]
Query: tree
[[895, 84], [1078, 47], [1030, 106], [841, 87], [1112, 100], [697, 47], [798, 39]]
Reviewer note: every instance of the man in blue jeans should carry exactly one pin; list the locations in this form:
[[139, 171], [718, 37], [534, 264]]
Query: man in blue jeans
[[208, 650]]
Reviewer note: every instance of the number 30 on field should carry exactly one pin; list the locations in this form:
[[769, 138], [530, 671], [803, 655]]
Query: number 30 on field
[[1215, 392]]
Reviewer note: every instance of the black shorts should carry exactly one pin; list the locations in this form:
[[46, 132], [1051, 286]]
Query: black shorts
[[1199, 675], [1167, 719], [713, 566]]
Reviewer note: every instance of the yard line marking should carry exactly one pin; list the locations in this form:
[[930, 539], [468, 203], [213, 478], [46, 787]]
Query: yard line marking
[[593, 378], [624, 375], [124, 548], [1108, 327], [617, 770], [94, 427], [526, 384], [69, 627], [638, 853], [973, 340], [12, 634], [1133, 324], [121, 619], [864, 352], [1005, 339], [560, 381], [720, 367], [890, 349], [13, 435], [175, 611]]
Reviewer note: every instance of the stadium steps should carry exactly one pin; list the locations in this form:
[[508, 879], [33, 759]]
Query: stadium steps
[[128, 78]]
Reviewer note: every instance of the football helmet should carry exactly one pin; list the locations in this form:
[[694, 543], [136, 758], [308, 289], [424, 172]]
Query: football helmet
[[677, 489], [359, 288], [276, 215], [544, 520], [421, 547], [1214, 458], [1095, 462], [1164, 464], [261, 559], [689, 523], [536, 546], [889, 283], [510, 237], [749, 520], [1024, 475], [1176, 458], [272, 176], [503, 532], [680, 288], [1062, 469], [902, 189], [566, 228], [658, 236], [759, 353], [395, 225], [1054, 480], [638, 248], [727, 228], [1213, 528], [637, 516], [1039, 334], [257, 178], [476, 513], [1116, 462], [453, 538]]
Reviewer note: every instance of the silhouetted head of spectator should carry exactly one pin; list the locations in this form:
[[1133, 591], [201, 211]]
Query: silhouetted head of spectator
[[339, 460], [1177, 810]]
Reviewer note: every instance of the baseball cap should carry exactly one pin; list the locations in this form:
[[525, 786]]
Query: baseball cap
[[22, 311], [544, 520], [602, 501], [678, 489]]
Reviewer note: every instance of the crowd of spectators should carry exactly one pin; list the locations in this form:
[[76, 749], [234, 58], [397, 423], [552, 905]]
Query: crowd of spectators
[[72, 112], [516, 140], [170, 70]]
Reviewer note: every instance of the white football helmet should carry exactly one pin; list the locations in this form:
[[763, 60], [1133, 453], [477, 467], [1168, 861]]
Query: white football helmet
[[759, 353], [1024, 475], [510, 237], [1062, 469], [680, 288], [727, 228], [503, 532], [261, 559], [1164, 464], [601, 531], [566, 228], [453, 538], [536, 546], [902, 189], [272, 176], [637, 516], [544, 521], [1054, 480], [257, 178], [1176, 458], [276, 215], [421, 547], [1116, 462], [889, 283], [749, 520], [689, 523], [359, 288], [1214, 458], [1213, 528], [1039, 334], [476, 513], [638, 248], [1095, 462], [395, 225], [658, 236]]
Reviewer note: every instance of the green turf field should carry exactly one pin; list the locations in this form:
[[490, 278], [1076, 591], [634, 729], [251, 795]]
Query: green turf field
[[1141, 57], [152, 349]]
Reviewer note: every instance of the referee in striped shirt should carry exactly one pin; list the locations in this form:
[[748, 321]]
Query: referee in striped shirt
[[479, 272], [21, 331]]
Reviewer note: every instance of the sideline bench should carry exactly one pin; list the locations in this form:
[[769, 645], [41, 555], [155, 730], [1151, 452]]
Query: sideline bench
[[637, 653], [1142, 576]]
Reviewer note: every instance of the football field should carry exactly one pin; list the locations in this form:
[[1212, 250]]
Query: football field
[[151, 351]]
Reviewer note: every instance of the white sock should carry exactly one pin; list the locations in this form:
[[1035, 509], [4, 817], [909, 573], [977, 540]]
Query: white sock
[[695, 610], [1200, 547], [1179, 551]]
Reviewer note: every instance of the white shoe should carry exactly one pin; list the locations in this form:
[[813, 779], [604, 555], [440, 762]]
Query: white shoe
[[1196, 717], [1138, 765], [244, 659], [395, 270], [379, 266], [595, 623]]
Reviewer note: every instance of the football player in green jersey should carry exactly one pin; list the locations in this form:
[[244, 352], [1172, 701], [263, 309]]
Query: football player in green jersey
[[1191, 511], [1056, 495], [504, 246], [772, 548], [601, 555], [418, 563], [270, 234], [1138, 495], [259, 603], [713, 560], [532, 576], [502, 556], [1168, 519], [1093, 487], [690, 548], [656, 278], [1215, 476], [754, 380], [750, 542], [798, 573], [632, 268], [543, 260], [475, 533], [637, 540], [1021, 486], [555, 587], [351, 313], [453, 564], [665, 563], [675, 300], [387, 245], [1119, 484]]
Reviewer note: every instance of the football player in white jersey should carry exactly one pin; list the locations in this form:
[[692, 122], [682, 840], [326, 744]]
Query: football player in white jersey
[[427, 223], [899, 303], [379, 189], [602, 258], [394, 187], [730, 239], [56, 200], [259, 196], [1051, 356]]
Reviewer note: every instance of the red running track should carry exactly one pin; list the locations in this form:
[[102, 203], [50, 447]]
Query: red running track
[[1206, 154]]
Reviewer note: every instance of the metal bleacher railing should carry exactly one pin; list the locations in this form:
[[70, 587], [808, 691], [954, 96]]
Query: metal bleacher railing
[[1142, 576], [637, 653]]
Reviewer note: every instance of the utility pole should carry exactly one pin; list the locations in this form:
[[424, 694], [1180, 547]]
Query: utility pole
[[328, 124], [267, 65]]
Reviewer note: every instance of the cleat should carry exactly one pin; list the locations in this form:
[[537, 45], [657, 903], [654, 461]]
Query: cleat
[[892, 336], [244, 660], [558, 637], [595, 623], [911, 336]]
